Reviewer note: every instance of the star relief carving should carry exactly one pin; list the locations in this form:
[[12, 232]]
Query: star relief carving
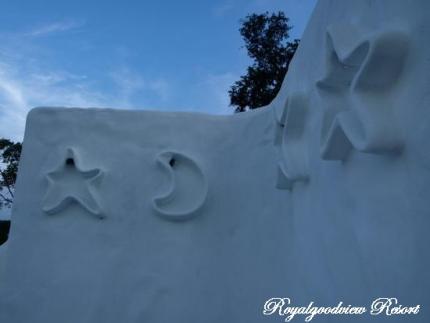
[[70, 183], [363, 69]]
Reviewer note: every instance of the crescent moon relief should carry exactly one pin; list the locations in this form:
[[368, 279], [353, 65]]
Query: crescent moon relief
[[187, 189]]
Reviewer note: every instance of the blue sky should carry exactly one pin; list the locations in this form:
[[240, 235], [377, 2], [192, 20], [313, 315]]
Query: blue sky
[[157, 55]]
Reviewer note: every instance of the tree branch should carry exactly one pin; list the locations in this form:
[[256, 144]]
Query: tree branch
[[10, 190], [6, 183], [5, 198]]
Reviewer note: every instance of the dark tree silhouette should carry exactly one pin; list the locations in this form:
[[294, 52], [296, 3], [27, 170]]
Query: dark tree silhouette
[[10, 154], [265, 37], [4, 231]]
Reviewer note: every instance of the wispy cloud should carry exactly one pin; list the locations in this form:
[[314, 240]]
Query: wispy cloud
[[127, 82], [19, 93], [130, 83], [12, 107], [219, 85], [22, 89], [160, 87], [222, 9], [55, 27], [211, 95], [30, 76]]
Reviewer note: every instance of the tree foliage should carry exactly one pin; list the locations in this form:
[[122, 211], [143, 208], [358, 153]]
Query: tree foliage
[[10, 154], [265, 37], [4, 231]]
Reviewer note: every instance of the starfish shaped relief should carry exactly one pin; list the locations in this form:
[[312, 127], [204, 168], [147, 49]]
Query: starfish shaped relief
[[361, 72], [69, 183]]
